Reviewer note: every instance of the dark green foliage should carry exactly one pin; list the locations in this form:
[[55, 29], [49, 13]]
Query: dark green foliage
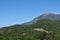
[[26, 32]]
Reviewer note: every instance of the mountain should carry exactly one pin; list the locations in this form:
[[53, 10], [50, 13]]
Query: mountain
[[26, 32], [49, 16], [48, 22]]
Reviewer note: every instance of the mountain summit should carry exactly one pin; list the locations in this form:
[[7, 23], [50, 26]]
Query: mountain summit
[[50, 16]]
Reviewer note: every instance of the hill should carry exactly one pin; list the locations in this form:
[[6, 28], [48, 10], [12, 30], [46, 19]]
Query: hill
[[49, 16], [27, 32]]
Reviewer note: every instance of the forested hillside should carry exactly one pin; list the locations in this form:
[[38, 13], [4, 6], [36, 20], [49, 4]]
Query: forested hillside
[[32, 31]]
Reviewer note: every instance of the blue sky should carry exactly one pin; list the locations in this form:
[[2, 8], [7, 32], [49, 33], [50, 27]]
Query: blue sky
[[20, 11]]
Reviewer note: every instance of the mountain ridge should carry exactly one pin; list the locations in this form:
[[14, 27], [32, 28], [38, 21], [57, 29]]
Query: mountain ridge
[[49, 16], [32, 31]]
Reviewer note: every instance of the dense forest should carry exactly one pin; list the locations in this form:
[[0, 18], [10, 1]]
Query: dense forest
[[40, 30]]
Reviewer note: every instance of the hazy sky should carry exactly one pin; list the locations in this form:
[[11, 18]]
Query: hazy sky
[[20, 11]]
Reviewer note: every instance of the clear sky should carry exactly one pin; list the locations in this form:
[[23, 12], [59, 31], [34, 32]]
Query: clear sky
[[20, 11]]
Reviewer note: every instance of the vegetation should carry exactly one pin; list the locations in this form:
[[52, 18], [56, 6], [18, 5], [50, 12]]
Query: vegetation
[[26, 32]]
